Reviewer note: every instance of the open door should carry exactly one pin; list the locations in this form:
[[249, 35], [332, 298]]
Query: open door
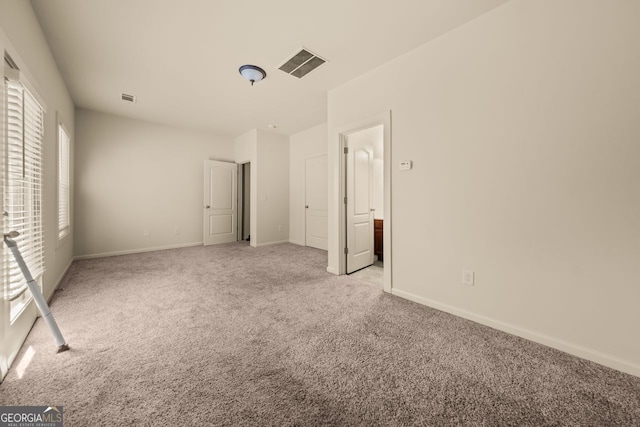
[[220, 202], [359, 209]]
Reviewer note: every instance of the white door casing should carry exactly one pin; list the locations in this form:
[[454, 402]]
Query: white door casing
[[359, 213], [220, 202], [316, 201]]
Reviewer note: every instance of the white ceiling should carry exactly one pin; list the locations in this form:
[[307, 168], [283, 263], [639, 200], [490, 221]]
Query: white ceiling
[[181, 57]]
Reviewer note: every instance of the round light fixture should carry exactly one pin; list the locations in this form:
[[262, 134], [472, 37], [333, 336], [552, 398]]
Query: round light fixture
[[252, 73]]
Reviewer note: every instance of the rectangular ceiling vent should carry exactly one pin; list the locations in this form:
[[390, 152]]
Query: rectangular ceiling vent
[[128, 98], [302, 63]]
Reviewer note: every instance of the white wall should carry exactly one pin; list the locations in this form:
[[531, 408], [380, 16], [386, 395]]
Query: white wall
[[273, 188], [269, 157], [308, 143], [523, 130], [377, 200], [22, 38], [134, 176]]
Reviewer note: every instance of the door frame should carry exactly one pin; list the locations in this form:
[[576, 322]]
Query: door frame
[[240, 202], [253, 197], [242, 208], [343, 133]]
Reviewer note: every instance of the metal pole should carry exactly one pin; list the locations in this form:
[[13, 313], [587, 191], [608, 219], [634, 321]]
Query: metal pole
[[35, 291]]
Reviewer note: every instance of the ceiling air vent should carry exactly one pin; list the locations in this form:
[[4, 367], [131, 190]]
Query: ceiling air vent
[[128, 98], [302, 63]]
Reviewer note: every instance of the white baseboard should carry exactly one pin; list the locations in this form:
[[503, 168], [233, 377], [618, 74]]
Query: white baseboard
[[567, 347], [332, 270], [138, 251], [64, 273], [295, 242], [258, 245]]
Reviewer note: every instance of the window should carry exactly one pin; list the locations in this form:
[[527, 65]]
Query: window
[[63, 182], [22, 186]]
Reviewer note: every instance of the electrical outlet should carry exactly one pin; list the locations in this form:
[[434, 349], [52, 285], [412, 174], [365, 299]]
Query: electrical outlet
[[467, 277], [145, 232], [406, 165], [177, 231], [279, 228]]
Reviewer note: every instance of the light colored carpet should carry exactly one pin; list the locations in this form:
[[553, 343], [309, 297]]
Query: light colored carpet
[[232, 335]]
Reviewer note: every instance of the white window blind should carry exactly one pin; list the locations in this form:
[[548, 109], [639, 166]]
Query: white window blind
[[63, 182], [23, 187]]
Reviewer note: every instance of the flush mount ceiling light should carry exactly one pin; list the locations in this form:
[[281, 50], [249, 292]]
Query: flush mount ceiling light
[[252, 73]]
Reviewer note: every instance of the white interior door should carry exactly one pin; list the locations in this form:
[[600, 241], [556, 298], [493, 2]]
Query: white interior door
[[359, 211], [316, 199], [220, 202]]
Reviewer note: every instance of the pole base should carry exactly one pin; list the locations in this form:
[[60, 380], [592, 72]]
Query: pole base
[[63, 347]]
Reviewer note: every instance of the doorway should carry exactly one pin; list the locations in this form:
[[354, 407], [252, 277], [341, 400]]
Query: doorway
[[244, 202], [365, 200], [359, 191]]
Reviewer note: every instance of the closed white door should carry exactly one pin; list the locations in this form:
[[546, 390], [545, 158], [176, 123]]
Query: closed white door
[[220, 202], [316, 196], [359, 212]]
